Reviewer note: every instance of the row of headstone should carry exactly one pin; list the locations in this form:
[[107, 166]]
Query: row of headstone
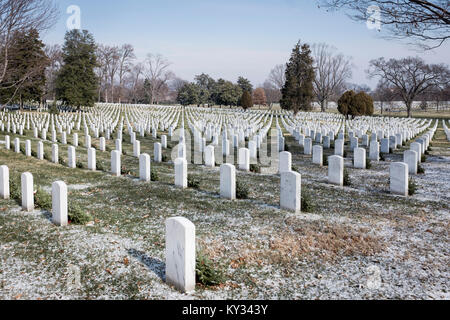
[[59, 195]]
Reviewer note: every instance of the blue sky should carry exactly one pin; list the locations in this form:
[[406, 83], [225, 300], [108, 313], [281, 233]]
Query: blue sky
[[230, 38]]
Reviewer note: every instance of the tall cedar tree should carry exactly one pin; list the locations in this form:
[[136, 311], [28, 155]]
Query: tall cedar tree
[[298, 90], [76, 83], [246, 100], [28, 60]]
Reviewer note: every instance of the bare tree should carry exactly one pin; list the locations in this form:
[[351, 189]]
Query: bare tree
[[54, 54], [332, 71], [384, 93], [426, 23], [113, 67], [126, 57], [103, 59], [277, 76], [18, 16], [135, 80], [157, 75], [409, 76], [273, 94]]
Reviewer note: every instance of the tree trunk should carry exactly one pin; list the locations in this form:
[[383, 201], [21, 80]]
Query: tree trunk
[[408, 108], [323, 105], [381, 107]]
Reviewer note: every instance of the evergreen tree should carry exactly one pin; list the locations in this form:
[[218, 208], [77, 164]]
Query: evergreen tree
[[28, 60], [227, 93], [76, 83], [352, 104], [189, 94], [298, 90], [245, 84], [246, 100]]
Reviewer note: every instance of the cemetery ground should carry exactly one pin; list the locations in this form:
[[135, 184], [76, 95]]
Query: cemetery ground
[[351, 233]]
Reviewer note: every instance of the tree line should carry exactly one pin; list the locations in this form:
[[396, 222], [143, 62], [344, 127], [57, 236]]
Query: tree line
[[83, 72]]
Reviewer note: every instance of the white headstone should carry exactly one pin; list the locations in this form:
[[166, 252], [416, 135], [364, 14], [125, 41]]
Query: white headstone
[[307, 146], [285, 164], [59, 204], [92, 164], [410, 157], [209, 157], [72, 157], [116, 168], [181, 172], [399, 178], [318, 155], [27, 192], [336, 170], [4, 182], [55, 155], [290, 191], [339, 147], [144, 167], [180, 254], [157, 152], [228, 181], [244, 159], [360, 158], [40, 150]]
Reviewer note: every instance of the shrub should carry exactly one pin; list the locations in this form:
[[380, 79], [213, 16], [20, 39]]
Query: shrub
[[423, 158], [368, 164], [412, 187], [54, 110], [80, 165], [420, 169], [154, 175], [241, 190], [77, 215], [42, 199], [100, 166], [164, 158], [347, 181], [307, 204], [295, 169], [255, 168], [15, 191], [206, 272], [193, 182]]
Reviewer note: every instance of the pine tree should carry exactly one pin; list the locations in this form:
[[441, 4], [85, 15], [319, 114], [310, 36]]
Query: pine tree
[[28, 61], [246, 100], [298, 92], [76, 83]]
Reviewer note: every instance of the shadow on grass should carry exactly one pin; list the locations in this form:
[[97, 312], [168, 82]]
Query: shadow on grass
[[157, 266]]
